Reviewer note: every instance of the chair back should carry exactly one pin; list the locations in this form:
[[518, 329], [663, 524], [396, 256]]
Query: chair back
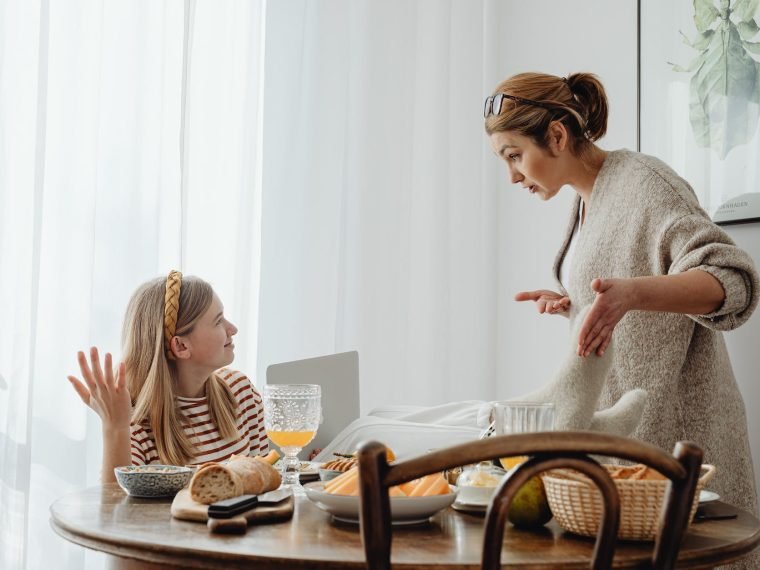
[[547, 450]]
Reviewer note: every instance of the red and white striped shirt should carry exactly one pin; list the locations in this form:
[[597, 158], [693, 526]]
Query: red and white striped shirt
[[209, 444]]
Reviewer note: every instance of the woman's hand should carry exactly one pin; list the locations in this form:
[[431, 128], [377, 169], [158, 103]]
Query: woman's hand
[[614, 298], [546, 301], [105, 391]]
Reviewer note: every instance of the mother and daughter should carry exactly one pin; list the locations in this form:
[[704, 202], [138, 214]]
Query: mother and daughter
[[172, 400]]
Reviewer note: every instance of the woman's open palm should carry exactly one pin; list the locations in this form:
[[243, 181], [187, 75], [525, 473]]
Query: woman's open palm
[[103, 390]]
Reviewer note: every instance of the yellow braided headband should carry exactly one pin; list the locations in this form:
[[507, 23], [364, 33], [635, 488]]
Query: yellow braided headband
[[171, 309]]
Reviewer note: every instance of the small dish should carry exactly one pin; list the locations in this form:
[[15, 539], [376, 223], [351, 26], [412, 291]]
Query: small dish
[[152, 480], [472, 508], [708, 496], [404, 510]]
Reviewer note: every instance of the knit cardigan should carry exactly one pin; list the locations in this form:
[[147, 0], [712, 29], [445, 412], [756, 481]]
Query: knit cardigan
[[643, 219]]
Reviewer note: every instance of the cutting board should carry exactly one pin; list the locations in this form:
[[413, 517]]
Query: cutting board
[[184, 508]]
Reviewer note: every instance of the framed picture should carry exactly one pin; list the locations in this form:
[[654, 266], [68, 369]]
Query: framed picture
[[699, 99]]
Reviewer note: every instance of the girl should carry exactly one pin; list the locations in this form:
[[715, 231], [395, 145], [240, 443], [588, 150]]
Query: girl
[[642, 252], [171, 401]]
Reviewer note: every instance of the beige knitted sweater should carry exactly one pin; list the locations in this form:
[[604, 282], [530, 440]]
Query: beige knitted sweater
[[643, 219]]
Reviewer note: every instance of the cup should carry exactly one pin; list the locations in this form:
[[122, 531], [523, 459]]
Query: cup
[[521, 417]]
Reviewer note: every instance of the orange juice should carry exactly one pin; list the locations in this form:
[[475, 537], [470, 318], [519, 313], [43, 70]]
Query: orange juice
[[510, 462], [291, 438]]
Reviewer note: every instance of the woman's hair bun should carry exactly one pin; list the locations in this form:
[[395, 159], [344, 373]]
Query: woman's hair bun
[[591, 97]]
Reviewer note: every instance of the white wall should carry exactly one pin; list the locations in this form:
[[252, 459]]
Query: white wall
[[743, 344]]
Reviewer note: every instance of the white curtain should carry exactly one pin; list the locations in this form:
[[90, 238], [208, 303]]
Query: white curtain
[[330, 178], [379, 229], [129, 145]]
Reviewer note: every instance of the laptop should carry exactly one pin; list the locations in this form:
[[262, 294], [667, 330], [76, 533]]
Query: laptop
[[338, 375]]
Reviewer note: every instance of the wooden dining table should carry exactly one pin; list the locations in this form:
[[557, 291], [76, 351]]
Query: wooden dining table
[[141, 533]]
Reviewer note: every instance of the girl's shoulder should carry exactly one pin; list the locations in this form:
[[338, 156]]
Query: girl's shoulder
[[237, 381]]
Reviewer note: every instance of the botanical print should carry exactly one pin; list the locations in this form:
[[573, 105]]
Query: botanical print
[[700, 99], [725, 83]]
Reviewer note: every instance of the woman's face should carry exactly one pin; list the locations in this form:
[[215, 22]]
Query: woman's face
[[529, 165]]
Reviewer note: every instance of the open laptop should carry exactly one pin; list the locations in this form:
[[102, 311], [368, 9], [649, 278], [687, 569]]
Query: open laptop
[[338, 375]]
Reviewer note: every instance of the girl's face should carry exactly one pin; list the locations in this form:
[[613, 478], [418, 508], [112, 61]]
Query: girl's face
[[529, 165], [210, 341]]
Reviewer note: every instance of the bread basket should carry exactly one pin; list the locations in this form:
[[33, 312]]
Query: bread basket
[[577, 504]]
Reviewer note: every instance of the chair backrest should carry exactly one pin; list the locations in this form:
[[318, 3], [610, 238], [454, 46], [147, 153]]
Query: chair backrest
[[547, 450], [338, 375]]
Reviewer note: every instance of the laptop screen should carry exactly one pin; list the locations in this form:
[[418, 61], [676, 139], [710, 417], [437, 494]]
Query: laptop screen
[[338, 375]]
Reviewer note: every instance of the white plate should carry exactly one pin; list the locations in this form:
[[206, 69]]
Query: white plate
[[479, 508], [708, 496], [309, 470], [404, 510]]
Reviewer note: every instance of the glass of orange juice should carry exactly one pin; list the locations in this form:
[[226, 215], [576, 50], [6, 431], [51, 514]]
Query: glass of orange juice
[[521, 417], [292, 413]]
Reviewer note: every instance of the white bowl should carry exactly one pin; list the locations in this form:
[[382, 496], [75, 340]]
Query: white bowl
[[475, 495], [152, 480], [404, 510]]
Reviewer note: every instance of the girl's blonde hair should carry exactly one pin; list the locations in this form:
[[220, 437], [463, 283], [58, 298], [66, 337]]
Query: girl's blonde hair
[[152, 376], [578, 101]]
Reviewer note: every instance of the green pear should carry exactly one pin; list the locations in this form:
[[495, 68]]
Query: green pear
[[530, 508]]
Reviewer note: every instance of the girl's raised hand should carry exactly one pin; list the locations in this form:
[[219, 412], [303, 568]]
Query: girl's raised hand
[[104, 392], [546, 301]]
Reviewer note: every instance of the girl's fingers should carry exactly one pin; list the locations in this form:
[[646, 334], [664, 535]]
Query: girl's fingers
[[109, 369], [83, 393], [97, 371], [86, 372], [121, 376]]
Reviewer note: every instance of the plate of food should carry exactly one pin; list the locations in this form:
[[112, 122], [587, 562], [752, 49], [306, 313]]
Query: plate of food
[[411, 503]]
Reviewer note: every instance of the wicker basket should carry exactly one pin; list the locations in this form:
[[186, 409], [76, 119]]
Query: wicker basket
[[577, 504]]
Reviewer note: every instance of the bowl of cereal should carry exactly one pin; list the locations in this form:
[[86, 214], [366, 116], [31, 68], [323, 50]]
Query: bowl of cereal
[[152, 480]]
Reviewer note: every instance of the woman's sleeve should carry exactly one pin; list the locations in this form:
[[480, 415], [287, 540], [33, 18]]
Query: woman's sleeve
[[694, 242]]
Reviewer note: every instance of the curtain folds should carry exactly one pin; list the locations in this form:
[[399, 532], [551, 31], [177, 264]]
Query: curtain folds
[[128, 147], [334, 186]]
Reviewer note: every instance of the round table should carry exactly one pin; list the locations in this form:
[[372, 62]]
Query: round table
[[132, 529]]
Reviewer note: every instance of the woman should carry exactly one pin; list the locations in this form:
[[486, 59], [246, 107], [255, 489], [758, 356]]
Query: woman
[[656, 270]]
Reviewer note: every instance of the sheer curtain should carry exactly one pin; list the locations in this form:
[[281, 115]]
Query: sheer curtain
[[379, 229], [129, 145]]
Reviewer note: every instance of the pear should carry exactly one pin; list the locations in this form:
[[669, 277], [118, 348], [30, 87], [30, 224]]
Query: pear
[[530, 508]]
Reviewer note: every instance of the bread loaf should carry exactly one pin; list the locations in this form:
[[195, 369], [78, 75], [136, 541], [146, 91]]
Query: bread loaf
[[241, 475]]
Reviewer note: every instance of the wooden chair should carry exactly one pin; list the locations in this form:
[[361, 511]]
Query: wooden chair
[[547, 450]]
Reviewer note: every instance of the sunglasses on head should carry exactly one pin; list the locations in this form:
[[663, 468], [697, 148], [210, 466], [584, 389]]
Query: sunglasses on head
[[493, 103]]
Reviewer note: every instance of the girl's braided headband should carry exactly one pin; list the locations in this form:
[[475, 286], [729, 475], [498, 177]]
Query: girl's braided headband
[[171, 309]]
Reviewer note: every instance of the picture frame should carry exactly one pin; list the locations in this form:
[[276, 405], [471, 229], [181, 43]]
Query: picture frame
[[699, 99]]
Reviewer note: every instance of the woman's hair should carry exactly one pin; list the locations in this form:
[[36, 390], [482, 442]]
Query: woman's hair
[[152, 375], [578, 101]]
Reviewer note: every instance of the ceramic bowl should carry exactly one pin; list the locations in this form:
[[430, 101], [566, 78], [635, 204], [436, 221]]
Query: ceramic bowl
[[404, 510], [152, 480]]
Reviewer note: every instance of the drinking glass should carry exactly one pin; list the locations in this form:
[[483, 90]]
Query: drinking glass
[[521, 417], [292, 413]]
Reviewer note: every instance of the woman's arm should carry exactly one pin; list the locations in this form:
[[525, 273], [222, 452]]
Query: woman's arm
[[106, 393], [692, 292]]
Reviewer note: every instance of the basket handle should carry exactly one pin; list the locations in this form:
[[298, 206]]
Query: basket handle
[[709, 473]]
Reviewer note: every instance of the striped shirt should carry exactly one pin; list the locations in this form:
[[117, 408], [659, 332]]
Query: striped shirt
[[209, 444]]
